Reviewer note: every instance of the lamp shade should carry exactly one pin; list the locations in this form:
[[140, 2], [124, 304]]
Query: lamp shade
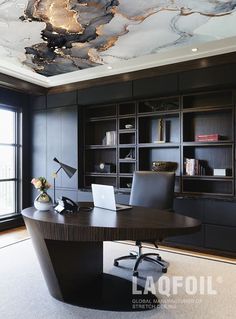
[[70, 171]]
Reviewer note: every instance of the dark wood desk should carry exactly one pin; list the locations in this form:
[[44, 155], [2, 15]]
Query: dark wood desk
[[70, 250]]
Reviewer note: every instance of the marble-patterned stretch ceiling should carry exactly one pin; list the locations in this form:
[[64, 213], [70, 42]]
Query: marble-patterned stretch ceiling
[[58, 36]]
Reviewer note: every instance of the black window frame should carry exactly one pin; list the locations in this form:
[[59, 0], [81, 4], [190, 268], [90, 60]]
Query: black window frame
[[18, 163]]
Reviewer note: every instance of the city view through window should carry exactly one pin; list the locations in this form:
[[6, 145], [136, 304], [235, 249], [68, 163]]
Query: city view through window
[[8, 155]]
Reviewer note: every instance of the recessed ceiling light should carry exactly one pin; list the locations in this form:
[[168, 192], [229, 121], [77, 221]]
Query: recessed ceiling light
[[109, 67], [194, 49]]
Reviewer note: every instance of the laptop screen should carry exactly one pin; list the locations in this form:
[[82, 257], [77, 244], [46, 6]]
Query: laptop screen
[[104, 196]]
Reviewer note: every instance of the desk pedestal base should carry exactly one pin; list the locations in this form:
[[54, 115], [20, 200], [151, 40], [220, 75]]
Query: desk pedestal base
[[112, 293], [73, 271]]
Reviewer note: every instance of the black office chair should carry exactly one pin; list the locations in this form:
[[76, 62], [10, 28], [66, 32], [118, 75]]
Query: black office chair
[[155, 190]]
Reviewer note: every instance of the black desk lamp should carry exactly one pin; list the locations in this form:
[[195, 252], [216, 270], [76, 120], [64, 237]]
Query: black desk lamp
[[70, 171]]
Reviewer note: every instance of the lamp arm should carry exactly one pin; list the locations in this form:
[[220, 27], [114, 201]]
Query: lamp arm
[[58, 170], [54, 185]]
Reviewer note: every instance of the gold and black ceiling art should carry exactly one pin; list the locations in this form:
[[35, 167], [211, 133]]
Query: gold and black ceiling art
[[80, 34], [72, 36]]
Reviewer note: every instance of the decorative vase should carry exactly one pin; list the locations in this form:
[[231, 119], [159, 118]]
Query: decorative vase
[[43, 201], [163, 166]]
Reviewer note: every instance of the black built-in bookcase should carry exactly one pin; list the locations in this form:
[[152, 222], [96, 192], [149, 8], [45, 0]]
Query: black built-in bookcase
[[185, 117], [217, 212]]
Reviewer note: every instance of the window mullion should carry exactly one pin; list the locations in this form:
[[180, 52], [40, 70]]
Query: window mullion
[[13, 191], [16, 162]]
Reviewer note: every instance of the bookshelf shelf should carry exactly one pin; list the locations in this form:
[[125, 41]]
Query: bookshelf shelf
[[185, 117], [207, 109], [161, 145], [127, 131], [101, 118], [127, 160], [208, 115], [208, 144], [99, 147], [100, 174], [207, 177]]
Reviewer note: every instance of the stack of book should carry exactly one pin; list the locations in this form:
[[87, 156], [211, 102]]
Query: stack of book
[[208, 137], [194, 167]]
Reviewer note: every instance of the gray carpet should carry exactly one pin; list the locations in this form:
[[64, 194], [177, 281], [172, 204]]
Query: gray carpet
[[24, 295]]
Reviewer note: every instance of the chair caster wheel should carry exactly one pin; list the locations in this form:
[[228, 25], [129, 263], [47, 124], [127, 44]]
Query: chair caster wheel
[[116, 263], [135, 273], [164, 270]]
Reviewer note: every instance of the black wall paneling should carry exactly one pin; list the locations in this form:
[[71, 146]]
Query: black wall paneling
[[61, 99], [218, 76], [161, 85], [218, 223], [39, 146], [43, 102], [55, 134], [195, 240], [26, 150], [64, 143], [70, 193], [12, 99], [105, 93], [220, 212], [190, 115], [38, 102], [54, 144], [220, 238], [182, 206], [39, 143]]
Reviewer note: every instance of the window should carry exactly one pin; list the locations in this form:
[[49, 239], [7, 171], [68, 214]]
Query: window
[[9, 161]]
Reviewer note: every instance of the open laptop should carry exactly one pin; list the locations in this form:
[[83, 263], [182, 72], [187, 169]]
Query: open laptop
[[104, 197]]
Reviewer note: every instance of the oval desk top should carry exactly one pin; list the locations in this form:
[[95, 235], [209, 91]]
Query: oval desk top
[[101, 224]]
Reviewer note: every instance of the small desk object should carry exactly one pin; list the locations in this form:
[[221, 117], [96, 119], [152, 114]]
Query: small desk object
[[70, 251]]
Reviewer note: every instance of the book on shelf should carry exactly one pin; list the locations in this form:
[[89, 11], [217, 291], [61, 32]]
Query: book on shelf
[[208, 137], [194, 167], [110, 138]]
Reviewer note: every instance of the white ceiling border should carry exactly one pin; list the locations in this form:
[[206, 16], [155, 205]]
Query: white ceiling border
[[145, 62]]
